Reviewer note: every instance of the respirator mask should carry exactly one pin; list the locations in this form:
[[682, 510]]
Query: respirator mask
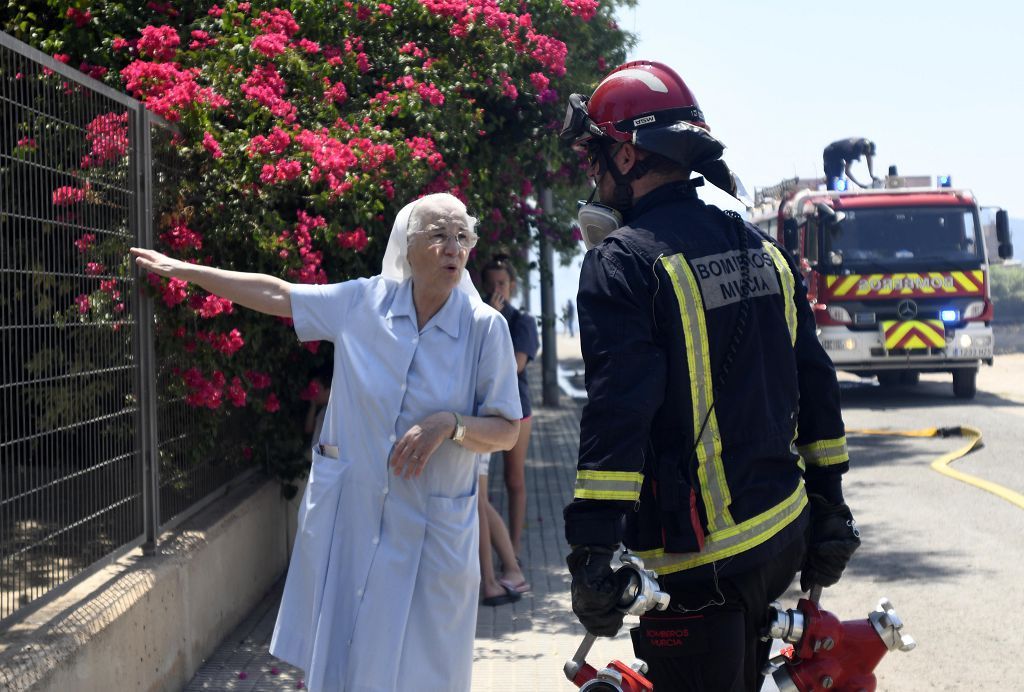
[[596, 220]]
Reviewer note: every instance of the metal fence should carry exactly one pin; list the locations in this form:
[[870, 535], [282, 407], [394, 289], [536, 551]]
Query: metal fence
[[93, 460]]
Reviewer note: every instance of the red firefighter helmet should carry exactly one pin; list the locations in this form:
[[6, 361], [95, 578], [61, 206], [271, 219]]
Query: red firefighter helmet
[[638, 94]]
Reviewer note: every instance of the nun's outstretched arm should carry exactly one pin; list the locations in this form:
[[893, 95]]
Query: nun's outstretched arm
[[259, 292]]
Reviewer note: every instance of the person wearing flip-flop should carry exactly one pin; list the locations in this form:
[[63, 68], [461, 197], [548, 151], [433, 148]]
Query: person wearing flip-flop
[[512, 584], [499, 285]]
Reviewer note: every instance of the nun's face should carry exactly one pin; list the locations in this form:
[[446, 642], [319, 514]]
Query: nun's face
[[439, 244]]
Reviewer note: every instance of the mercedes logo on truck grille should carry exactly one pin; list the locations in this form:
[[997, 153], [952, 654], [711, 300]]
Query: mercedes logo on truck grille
[[906, 310]]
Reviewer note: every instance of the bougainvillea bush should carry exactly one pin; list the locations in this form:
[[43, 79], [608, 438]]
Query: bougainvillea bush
[[299, 130]]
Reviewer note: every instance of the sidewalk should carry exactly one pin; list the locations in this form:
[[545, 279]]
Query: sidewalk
[[521, 646]]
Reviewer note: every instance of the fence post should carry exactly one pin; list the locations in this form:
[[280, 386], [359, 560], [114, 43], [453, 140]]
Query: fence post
[[149, 455]]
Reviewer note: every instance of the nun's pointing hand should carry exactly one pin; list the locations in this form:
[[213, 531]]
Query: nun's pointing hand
[[411, 453], [157, 262]]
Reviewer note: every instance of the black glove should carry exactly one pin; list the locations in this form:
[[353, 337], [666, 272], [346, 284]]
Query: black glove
[[595, 589], [832, 540]]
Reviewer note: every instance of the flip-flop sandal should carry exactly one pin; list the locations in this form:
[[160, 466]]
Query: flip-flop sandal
[[510, 596], [521, 587]]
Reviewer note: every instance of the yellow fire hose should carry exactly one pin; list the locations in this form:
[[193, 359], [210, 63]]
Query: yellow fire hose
[[942, 464]]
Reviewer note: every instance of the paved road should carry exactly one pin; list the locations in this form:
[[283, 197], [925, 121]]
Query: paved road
[[950, 556]]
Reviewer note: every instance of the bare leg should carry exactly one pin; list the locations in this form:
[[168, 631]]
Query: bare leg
[[515, 484], [488, 581], [510, 572]]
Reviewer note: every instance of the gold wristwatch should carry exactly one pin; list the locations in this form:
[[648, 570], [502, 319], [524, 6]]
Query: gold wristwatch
[[459, 434]]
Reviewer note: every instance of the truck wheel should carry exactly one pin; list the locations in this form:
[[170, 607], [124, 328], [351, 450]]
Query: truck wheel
[[965, 384], [910, 377], [889, 378]]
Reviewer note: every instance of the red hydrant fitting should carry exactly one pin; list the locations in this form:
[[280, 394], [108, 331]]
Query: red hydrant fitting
[[829, 654]]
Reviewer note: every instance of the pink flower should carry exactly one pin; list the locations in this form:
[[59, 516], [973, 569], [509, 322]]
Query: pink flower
[[244, 7], [62, 57], [107, 135], [67, 195], [335, 93], [508, 88], [353, 240], [79, 17], [211, 145], [94, 71], [275, 21], [159, 42], [201, 39], [272, 405], [266, 86], [288, 170], [82, 301], [181, 237], [27, 143], [85, 242], [311, 47], [121, 44], [236, 392], [270, 45], [167, 89], [584, 9], [311, 391], [386, 10], [210, 306], [215, 11], [174, 292], [94, 268], [431, 94]]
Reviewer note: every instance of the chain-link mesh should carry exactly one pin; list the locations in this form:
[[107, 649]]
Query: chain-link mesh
[[76, 427], [70, 489]]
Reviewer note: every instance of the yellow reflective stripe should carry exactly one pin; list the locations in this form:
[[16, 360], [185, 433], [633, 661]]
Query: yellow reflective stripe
[[732, 540], [825, 452], [608, 485], [710, 470], [914, 334], [788, 287], [848, 282]]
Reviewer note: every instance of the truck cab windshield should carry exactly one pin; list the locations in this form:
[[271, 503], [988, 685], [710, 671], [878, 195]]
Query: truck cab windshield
[[903, 238]]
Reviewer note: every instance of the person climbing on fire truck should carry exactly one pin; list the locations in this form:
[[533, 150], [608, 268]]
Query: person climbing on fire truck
[[712, 423], [840, 154]]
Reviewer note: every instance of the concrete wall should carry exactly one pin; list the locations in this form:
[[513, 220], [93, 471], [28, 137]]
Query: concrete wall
[[148, 622]]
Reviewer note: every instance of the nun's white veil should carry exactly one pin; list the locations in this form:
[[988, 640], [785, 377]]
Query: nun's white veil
[[396, 255]]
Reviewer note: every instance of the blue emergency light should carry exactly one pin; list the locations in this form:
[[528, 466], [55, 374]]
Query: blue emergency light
[[945, 181], [841, 185], [947, 315]]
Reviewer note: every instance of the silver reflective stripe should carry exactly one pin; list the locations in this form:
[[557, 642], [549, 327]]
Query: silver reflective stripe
[[788, 287], [608, 485], [733, 540], [825, 452], [710, 471]]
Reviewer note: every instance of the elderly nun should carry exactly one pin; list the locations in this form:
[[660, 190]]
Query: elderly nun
[[382, 588]]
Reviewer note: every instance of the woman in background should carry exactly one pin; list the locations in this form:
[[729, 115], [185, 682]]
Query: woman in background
[[499, 283]]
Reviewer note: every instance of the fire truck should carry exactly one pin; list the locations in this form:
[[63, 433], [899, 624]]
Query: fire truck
[[897, 275]]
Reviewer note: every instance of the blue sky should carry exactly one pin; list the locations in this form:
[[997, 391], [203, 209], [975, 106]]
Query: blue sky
[[937, 85]]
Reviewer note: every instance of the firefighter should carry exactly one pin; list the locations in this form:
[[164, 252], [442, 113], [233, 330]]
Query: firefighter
[[711, 443], [840, 154]]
